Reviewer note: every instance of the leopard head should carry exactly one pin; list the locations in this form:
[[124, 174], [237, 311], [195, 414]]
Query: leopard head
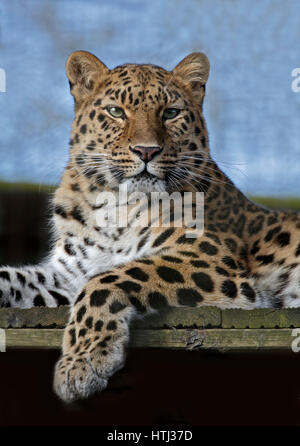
[[139, 124]]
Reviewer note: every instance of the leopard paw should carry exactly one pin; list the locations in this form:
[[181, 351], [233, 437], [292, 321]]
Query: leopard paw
[[81, 375]]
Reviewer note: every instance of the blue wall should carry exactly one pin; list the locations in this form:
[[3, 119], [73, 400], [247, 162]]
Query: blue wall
[[253, 115]]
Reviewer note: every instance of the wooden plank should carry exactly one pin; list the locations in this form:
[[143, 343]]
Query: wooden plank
[[261, 318], [33, 338], [34, 317], [258, 318], [214, 339], [188, 339], [290, 317], [202, 317]]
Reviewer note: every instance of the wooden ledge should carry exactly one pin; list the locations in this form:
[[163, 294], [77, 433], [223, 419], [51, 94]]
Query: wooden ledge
[[204, 328]]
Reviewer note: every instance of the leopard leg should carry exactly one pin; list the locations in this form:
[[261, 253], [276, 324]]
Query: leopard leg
[[31, 286], [94, 341], [98, 332], [49, 284]]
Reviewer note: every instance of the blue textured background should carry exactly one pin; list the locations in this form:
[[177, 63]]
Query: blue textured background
[[253, 115]]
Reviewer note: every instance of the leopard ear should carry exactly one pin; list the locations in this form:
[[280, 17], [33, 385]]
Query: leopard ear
[[194, 70], [84, 70]]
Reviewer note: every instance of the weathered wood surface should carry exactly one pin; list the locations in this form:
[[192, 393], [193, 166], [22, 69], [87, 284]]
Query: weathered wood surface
[[181, 328], [190, 339], [203, 317]]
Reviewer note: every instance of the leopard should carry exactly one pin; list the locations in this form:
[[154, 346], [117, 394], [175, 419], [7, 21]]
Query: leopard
[[143, 127]]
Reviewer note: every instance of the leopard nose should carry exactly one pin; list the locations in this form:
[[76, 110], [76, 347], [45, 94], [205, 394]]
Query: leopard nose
[[146, 153]]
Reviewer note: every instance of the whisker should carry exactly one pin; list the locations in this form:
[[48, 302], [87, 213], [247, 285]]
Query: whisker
[[192, 165], [203, 177], [182, 177], [173, 182], [213, 169], [93, 154], [85, 170], [193, 152]]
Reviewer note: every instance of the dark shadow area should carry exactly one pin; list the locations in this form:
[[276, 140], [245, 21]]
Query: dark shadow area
[[159, 387], [24, 225]]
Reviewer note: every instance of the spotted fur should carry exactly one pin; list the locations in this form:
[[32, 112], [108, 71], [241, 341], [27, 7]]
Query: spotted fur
[[248, 256]]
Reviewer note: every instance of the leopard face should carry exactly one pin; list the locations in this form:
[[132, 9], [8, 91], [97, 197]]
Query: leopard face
[[139, 125]]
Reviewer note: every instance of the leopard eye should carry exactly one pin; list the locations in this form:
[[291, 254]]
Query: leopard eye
[[116, 112], [170, 113]]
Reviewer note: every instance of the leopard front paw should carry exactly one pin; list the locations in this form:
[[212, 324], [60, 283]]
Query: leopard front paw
[[81, 375], [75, 379]]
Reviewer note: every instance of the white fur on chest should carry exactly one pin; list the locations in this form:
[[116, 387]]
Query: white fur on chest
[[90, 249]]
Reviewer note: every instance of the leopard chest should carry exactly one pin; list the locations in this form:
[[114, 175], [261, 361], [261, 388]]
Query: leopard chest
[[92, 249]]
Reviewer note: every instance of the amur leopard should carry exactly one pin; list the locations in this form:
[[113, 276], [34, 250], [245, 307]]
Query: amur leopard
[[143, 127]]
